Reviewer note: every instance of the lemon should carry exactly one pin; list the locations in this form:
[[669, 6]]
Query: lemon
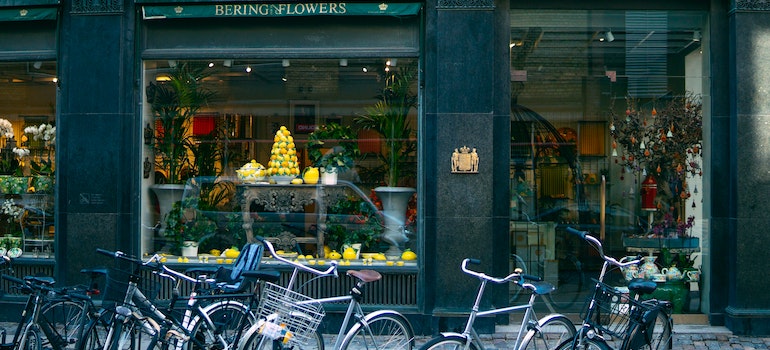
[[349, 253]]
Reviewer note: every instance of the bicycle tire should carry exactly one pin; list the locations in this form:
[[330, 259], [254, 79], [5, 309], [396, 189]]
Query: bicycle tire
[[380, 330], [32, 339], [660, 337], [256, 342], [588, 344], [94, 334], [550, 331], [229, 317], [448, 342], [65, 318]]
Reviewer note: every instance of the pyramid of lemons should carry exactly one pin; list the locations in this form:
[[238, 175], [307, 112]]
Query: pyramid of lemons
[[283, 156]]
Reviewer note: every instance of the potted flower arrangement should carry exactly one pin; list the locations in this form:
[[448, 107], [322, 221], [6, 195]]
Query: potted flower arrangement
[[353, 221], [186, 230], [42, 138], [333, 149]]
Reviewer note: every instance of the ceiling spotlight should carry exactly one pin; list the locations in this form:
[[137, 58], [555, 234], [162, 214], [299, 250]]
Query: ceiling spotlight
[[364, 69], [37, 64], [172, 63], [248, 69], [228, 63], [283, 78], [696, 35], [343, 62], [285, 63], [211, 64]]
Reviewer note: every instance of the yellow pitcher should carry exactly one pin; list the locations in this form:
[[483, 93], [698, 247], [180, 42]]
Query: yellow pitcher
[[310, 175]]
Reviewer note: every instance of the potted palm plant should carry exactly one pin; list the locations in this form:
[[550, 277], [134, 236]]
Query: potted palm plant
[[173, 105], [390, 118], [333, 149]]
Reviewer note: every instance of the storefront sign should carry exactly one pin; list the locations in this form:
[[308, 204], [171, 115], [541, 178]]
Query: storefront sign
[[235, 10]]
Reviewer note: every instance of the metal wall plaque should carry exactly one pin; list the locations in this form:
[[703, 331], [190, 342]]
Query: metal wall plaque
[[465, 161]]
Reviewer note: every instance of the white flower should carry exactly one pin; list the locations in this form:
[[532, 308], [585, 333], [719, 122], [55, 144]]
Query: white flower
[[20, 152], [6, 128], [45, 132], [13, 211]]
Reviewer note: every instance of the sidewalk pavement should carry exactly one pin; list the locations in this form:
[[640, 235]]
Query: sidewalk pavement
[[686, 337]]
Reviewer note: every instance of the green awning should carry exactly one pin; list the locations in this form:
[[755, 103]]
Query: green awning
[[235, 10], [28, 13]]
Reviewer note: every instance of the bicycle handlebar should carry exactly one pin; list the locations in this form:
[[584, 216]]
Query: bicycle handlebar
[[332, 270], [153, 264], [32, 285], [597, 244], [482, 275]]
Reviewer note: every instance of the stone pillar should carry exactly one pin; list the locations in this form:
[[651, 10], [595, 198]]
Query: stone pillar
[[748, 214], [96, 125], [466, 104]]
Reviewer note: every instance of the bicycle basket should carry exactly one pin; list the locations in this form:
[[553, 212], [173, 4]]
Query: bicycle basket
[[615, 311], [286, 319], [118, 279]]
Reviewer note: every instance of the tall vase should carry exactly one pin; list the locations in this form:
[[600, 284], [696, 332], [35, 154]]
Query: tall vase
[[394, 202], [167, 195]]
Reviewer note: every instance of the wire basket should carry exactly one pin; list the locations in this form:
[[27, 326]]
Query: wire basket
[[615, 311], [118, 279], [286, 320]]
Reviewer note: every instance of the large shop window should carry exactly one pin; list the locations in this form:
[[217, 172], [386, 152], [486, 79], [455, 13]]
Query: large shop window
[[27, 154], [606, 132], [307, 152]]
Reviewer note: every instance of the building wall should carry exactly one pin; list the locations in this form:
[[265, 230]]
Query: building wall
[[465, 104]]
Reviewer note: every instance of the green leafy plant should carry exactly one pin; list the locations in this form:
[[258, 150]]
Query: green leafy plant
[[173, 105], [333, 146], [353, 220], [390, 118]]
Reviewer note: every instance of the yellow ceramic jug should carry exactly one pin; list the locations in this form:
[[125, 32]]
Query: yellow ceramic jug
[[310, 176]]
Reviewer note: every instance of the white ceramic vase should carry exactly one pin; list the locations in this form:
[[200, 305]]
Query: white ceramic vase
[[394, 202]]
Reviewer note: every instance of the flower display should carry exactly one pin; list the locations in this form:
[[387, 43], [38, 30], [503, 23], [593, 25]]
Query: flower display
[[44, 132], [6, 129], [13, 214]]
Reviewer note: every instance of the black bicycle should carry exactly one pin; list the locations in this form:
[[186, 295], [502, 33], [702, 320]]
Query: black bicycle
[[53, 318], [620, 319]]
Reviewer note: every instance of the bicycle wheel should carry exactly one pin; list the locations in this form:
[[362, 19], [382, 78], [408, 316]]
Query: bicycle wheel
[[448, 342], [32, 339], [380, 330], [655, 336], [551, 331], [229, 318], [95, 332], [588, 344], [65, 319]]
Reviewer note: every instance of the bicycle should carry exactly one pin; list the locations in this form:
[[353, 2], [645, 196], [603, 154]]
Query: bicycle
[[136, 321], [52, 317], [533, 333], [613, 316], [569, 285], [288, 318]]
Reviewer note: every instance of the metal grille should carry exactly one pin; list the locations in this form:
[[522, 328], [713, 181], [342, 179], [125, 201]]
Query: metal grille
[[96, 6], [466, 4]]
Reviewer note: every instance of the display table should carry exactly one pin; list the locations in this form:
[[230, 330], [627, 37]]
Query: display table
[[291, 198]]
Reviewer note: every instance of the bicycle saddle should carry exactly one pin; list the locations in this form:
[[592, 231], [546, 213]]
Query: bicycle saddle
[[365, 275], [48, 281], [638, 285], [538, 287]]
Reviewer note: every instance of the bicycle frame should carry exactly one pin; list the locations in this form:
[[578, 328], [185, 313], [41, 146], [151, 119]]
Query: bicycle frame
[[469, 333], [134, 301], [587, 328]]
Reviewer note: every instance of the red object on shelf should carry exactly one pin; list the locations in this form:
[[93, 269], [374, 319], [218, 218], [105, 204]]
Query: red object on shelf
[[204, 124], [648, 192]]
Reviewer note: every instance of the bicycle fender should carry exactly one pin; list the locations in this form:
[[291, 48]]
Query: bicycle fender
[[377, 313], [452, 334]]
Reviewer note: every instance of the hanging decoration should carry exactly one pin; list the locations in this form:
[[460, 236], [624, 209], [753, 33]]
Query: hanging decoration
[[661, 140]]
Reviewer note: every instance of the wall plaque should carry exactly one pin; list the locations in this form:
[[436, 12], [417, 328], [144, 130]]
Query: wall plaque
[[465, 161]]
